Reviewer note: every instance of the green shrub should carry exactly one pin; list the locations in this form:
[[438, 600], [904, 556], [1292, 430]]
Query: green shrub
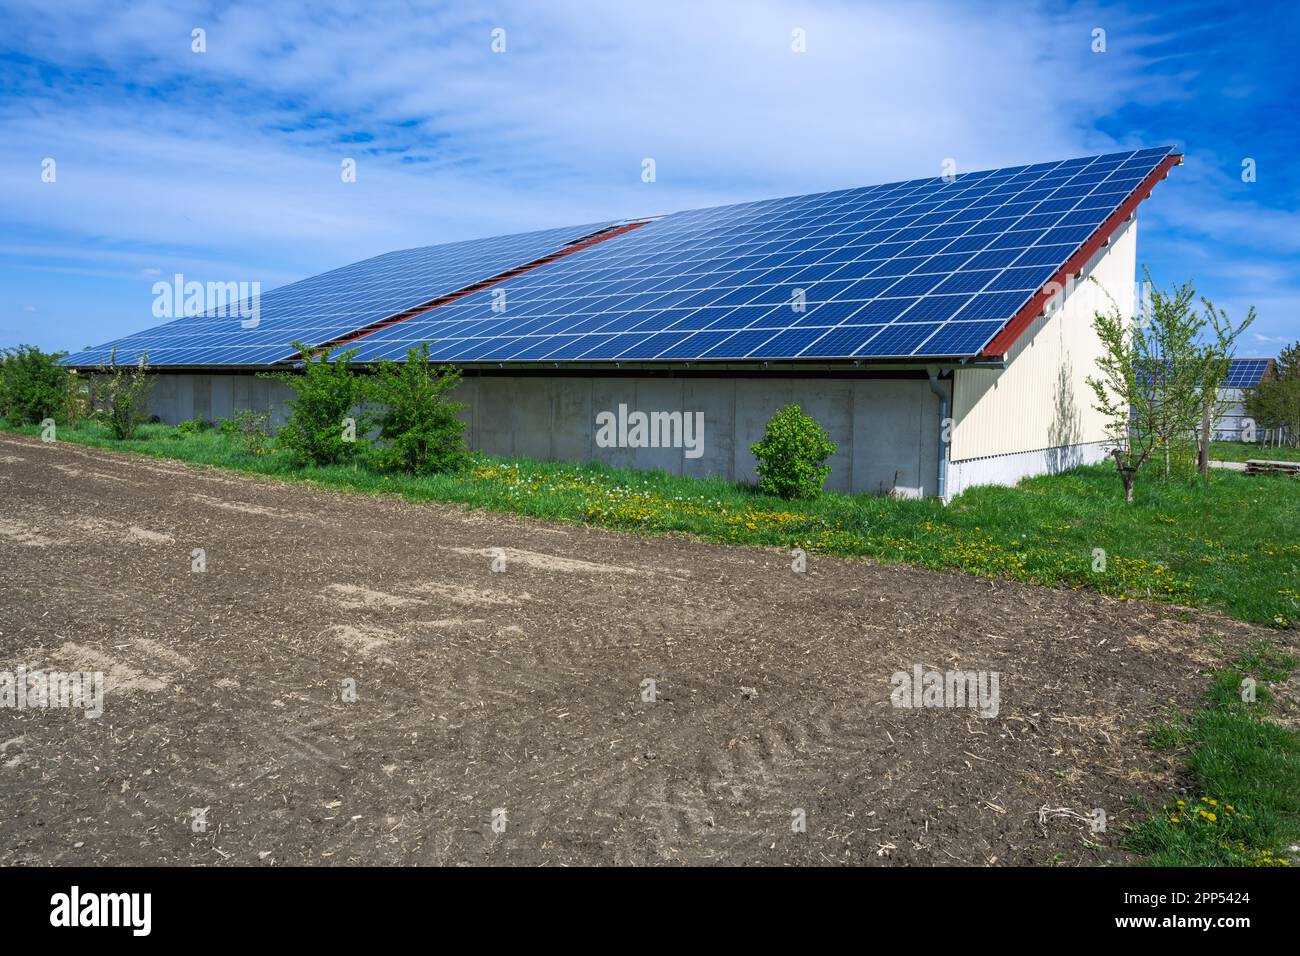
[[420, 432], [79, 401], [194, 426], [249, 431], [34, 386], [119, 394], [325, 425], [792, 455]]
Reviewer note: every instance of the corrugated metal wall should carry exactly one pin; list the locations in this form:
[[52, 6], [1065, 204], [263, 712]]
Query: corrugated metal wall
[[1041, 399]]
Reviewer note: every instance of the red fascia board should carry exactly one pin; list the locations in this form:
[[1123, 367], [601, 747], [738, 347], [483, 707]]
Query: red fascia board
[[1001, 343], [585, 243]]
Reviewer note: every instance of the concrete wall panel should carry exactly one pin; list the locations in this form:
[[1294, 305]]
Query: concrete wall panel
[[495, 417], [716, 398], [831, 404], [757, 400], [532, 418], [887, 431], [661, 395], [606, 396], [573, 418]]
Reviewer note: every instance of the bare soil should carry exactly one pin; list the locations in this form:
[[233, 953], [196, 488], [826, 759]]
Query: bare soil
[[522, 690]]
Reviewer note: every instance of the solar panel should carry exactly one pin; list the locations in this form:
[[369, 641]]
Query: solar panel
[[925, 268], [333, 304], [1246, 373]]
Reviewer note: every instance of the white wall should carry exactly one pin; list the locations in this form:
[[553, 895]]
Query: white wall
[[1041, 401]]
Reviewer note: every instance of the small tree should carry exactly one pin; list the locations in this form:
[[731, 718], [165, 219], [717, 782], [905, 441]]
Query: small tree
[[120, 394], [792, 455], [34, 386], [325, 423], [1158, 377], [1275, 402], [1217, 360], [420, 431]]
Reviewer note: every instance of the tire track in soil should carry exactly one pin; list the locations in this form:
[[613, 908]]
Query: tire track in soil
[[522, 689]]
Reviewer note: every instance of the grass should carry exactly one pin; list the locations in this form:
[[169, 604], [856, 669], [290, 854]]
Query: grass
[[1243, 808], [1229, 544], [1241, 451]]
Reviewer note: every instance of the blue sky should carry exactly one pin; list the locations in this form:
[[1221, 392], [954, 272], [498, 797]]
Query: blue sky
[[225, 165]]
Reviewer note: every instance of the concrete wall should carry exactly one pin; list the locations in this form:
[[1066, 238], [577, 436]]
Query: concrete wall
[[886, 429], [178, 398]]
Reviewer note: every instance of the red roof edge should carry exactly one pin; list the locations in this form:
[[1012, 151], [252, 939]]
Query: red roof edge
[[1001, 343], [586, 242]]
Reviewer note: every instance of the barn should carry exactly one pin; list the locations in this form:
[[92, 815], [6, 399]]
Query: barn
[[939, 329], [1243, 375]]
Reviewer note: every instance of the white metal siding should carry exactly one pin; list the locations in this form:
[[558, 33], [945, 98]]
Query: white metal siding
[[1041, 399]]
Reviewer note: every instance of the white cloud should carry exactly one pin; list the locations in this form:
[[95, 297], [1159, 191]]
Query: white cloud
[[229, 169]]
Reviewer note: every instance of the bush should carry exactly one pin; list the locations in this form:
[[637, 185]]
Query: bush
[[792, 455], [79, 400], [194, 426], [324, 425], [248, 430], [119, 394], [34, 387], [420, 431]]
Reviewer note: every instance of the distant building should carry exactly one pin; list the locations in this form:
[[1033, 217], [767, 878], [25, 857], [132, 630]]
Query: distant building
[[1243, 375]]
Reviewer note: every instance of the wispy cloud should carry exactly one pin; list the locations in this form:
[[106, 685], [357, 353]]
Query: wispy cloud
[[226, 164]]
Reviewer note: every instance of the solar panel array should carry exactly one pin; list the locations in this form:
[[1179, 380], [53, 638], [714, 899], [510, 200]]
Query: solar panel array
[[926, 268], [335, 303], [1245, 373], [921, 268]]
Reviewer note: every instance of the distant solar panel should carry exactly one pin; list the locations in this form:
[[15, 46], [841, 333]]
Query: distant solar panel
[[922, 268], [335, 303], [1246, 373]]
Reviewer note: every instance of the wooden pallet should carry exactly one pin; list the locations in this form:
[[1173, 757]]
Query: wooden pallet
[[1258, 466]]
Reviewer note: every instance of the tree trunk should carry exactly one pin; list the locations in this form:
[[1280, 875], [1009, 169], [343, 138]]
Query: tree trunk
[[1207, 425], [1126, 474]]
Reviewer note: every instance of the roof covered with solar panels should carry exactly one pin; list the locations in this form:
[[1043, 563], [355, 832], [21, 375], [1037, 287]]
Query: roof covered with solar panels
[[1246, 372], [939, 269]]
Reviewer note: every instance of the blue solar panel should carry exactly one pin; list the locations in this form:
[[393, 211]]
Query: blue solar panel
[[927, 267], [1246, 373], [333, 304], [920, 268]]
